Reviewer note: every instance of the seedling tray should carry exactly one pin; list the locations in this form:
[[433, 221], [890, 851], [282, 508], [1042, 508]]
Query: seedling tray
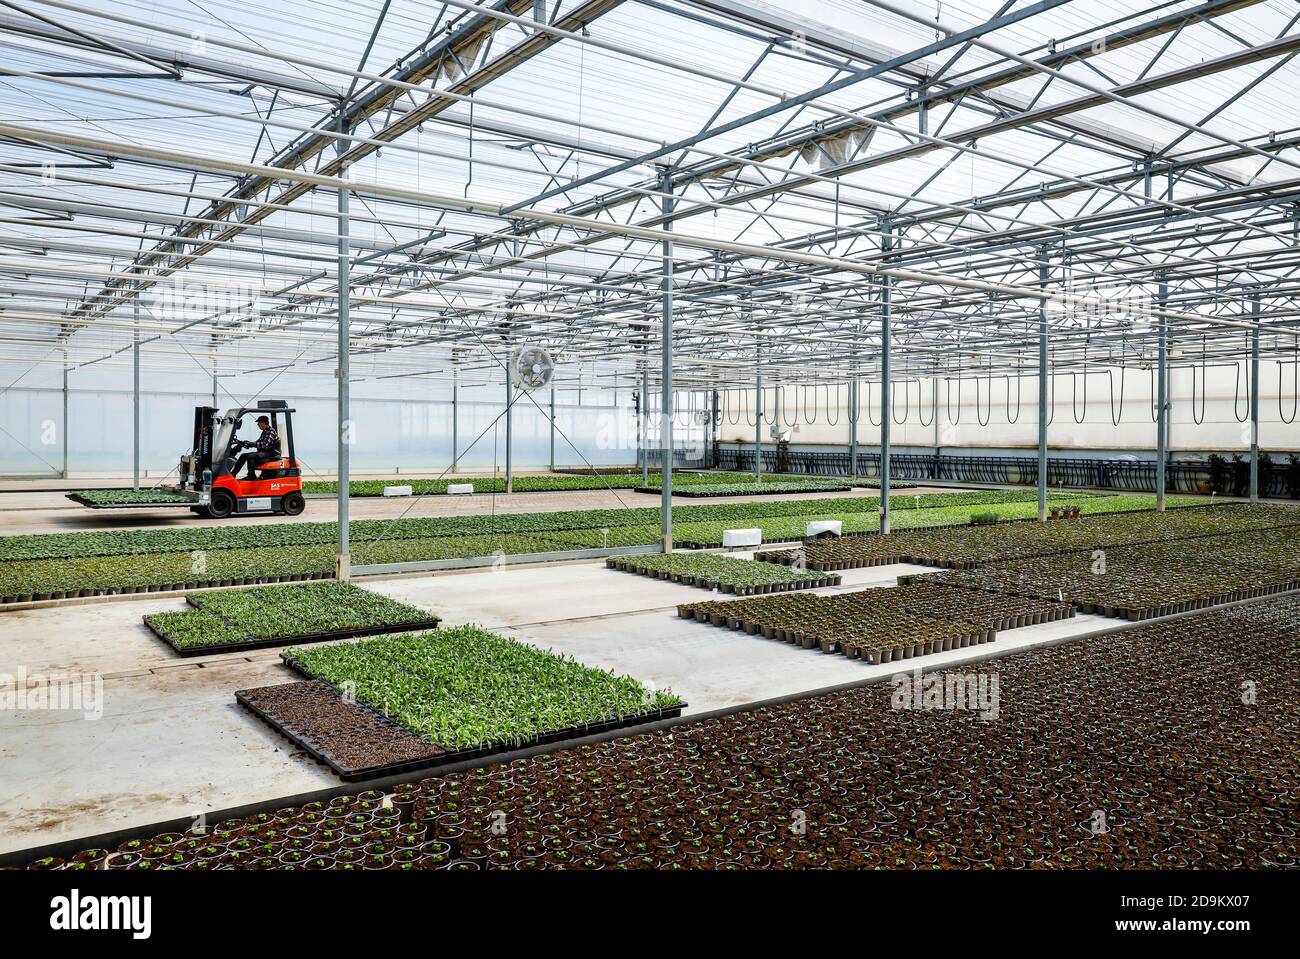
[[322, 754], [703, 582], [295, 640], [81, 501], [488, 749], [872, 654]]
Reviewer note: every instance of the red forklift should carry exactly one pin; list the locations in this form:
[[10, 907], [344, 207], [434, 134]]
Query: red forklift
[[207, 473]]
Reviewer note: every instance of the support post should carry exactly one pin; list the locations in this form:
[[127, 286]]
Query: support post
[[64, 427], [758, 409], [455, 419], [510, 429], [854, 406], [1254, 400], [643, 418], [886, 346], [1162, 398], [343, 561], [666, 386], [715, 419], [135, 396], [552, 459], [934, 418], [1043, 374]]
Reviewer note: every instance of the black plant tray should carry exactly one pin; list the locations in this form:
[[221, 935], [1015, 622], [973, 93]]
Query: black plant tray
[[346, 773], [82, 501], [760, 589], [298, 640], [489, 749]]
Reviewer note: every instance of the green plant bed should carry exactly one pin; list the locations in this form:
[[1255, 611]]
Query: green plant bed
[[98, 498], [568, 482], [469, 690], [243, 536], [233, 620], [967, 546], [770, 488], [58, 565], [724, 573]]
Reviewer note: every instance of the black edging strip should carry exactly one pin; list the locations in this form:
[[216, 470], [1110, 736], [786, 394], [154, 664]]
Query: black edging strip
[[112, 840]]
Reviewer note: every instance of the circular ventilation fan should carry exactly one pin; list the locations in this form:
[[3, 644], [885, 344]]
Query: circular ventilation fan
[[531, 367]]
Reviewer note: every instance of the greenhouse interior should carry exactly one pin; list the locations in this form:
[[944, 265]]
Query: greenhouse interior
[[649, 435]]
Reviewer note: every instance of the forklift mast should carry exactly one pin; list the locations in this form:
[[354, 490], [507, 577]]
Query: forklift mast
[[202, 444]]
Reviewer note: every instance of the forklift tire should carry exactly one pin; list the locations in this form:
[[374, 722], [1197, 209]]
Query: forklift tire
[[221, 505], [293, 503]]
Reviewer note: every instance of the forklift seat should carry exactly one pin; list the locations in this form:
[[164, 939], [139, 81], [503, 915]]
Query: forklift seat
[[274, 469]]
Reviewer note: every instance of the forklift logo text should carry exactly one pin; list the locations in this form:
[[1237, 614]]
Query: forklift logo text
[[70, 692]]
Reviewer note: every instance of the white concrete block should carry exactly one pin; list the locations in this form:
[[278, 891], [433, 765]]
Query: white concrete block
[[742, 537], [398, 491], [822, 527], [458, 488]]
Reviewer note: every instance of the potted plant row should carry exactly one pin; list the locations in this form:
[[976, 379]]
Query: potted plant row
[[849, 623], [723, 573], [1086, 769]]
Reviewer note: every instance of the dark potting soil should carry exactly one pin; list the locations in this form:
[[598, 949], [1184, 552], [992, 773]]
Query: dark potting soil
[[348, 736]]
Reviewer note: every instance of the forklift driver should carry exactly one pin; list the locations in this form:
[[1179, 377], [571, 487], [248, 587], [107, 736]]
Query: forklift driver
[[264, 449]]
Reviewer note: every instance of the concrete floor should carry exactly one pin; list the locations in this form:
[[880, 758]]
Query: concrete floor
[[172, 742]]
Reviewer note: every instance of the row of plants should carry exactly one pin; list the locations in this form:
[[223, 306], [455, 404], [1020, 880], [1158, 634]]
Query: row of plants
[[47, 579], [726, 574], [751, 488], [523, 484], [1150, 580], [186, 539], [52, 579], [125, 497], [970, 546], [1130, 751], [469, 689], [850, 623], [785, 529], [994, 611], [277, 615], [60, 565]]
